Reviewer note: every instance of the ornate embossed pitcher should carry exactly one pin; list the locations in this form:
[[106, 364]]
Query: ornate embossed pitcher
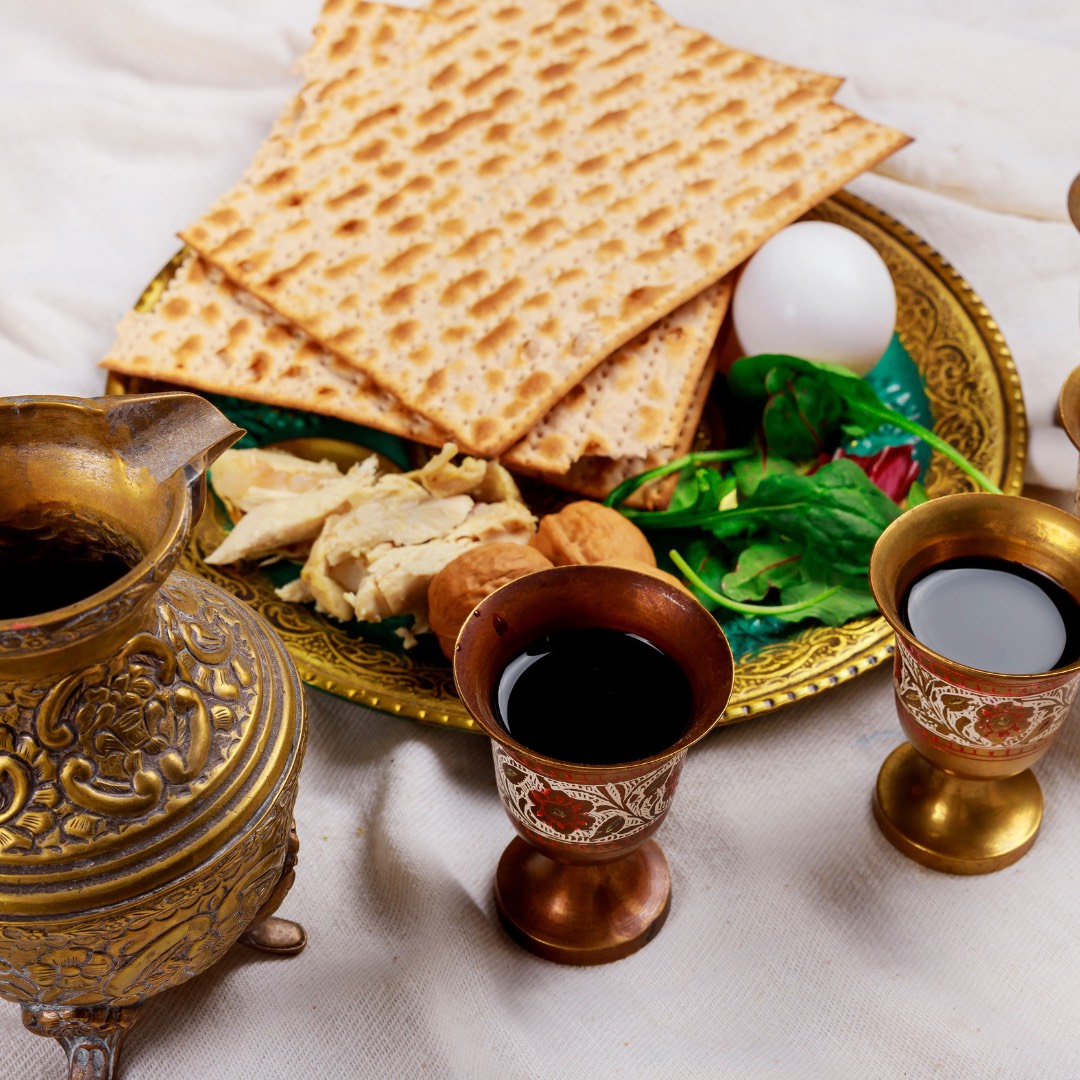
[[151, 725]]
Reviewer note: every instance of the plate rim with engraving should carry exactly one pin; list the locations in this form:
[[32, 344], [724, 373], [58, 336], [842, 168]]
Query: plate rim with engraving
[[977, 402]]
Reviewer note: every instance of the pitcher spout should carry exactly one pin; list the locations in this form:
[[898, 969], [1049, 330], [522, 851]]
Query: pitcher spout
[[164, 433]]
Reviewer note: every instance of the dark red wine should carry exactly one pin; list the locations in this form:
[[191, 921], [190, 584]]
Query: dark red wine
[[994, 615], [593, 697], [45, 568]]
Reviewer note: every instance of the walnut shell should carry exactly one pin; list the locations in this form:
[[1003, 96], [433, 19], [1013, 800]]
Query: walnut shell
[[645, 568], [586, 532], [460, 585]]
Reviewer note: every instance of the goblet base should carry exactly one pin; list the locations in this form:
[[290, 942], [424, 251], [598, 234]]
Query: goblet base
[[582, 913], [953, 823]]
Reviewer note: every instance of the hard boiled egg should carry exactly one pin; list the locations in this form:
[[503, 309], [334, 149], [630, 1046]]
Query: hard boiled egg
[[819, 291]]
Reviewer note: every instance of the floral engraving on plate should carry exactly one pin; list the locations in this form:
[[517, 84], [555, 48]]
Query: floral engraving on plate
[[585, 813], [976, 719]]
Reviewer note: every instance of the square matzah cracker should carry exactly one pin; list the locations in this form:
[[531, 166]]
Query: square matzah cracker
[[544, 185], [210, 335]]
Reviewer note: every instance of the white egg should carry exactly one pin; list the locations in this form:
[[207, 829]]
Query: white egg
[[819, 291]]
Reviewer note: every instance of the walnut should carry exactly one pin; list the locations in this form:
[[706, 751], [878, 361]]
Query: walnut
[[586, 532], [460, 585], [645, 568]]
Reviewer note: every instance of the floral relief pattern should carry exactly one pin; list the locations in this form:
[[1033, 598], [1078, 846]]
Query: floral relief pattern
[[976, 719], [128, 738], [585, 813]]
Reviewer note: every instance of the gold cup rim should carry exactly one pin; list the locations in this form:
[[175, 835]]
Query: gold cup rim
[[888, 559], [150, 563], [712, 645]]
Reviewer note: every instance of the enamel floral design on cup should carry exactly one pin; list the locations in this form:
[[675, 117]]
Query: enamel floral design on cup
[[582, 813], [975, 718]]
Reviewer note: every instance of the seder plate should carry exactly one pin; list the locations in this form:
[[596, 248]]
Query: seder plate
[[974, 392]]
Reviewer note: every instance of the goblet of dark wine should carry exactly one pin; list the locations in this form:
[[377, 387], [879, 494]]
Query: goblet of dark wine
[[977, 704], [584, 883]]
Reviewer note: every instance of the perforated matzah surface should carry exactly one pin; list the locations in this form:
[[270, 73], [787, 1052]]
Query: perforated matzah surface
[[548, 183]]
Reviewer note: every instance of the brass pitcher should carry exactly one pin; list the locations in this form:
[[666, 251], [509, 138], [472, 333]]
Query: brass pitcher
[[151, 725]]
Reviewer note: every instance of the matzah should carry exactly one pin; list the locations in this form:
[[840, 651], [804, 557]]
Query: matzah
[[542, 186], [630, 406]]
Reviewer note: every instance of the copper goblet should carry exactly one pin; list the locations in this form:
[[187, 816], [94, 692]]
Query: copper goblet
[[960, 796], [584, 883]]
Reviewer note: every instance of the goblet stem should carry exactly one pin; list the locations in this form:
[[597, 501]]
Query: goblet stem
[[91, 1036], [953, 823], [582, 913]]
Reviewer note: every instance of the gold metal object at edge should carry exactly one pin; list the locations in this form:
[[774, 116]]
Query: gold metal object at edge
[[151, 734], [960, 797], [973, 388], [584, 882]]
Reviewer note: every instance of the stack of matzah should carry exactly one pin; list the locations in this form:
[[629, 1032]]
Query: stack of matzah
[[508, 225]]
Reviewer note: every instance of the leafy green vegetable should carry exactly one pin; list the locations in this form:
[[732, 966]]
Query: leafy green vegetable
[[762, 567], [750, 471], [797, 542], [750, 376], [803, 413]]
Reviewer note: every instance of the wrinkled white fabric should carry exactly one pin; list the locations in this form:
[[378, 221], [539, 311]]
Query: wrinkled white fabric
[[800, 944]]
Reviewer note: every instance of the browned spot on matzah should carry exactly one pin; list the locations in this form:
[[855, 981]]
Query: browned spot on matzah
[[498, 337], [452, 294], [403, 332], [444, 77], [391, 169], [438, 139], [401, 264], [352, 227], [372, 151], [485, 80], [495, 165], [476, 244], [399, 298], [542, 230], [407, 225], [374, 118], [346, 267], [559, 94], [276, 179], [490, 304], [276, 335], [227, 216], [482, 430], [593, 164], [657, 217], [176, 308], [356, 192], [346, 338]]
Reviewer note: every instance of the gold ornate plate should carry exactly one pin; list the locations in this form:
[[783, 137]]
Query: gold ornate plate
[[974, 392]]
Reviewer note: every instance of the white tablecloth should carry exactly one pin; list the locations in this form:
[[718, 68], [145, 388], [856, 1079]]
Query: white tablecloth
[[800, 944]]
